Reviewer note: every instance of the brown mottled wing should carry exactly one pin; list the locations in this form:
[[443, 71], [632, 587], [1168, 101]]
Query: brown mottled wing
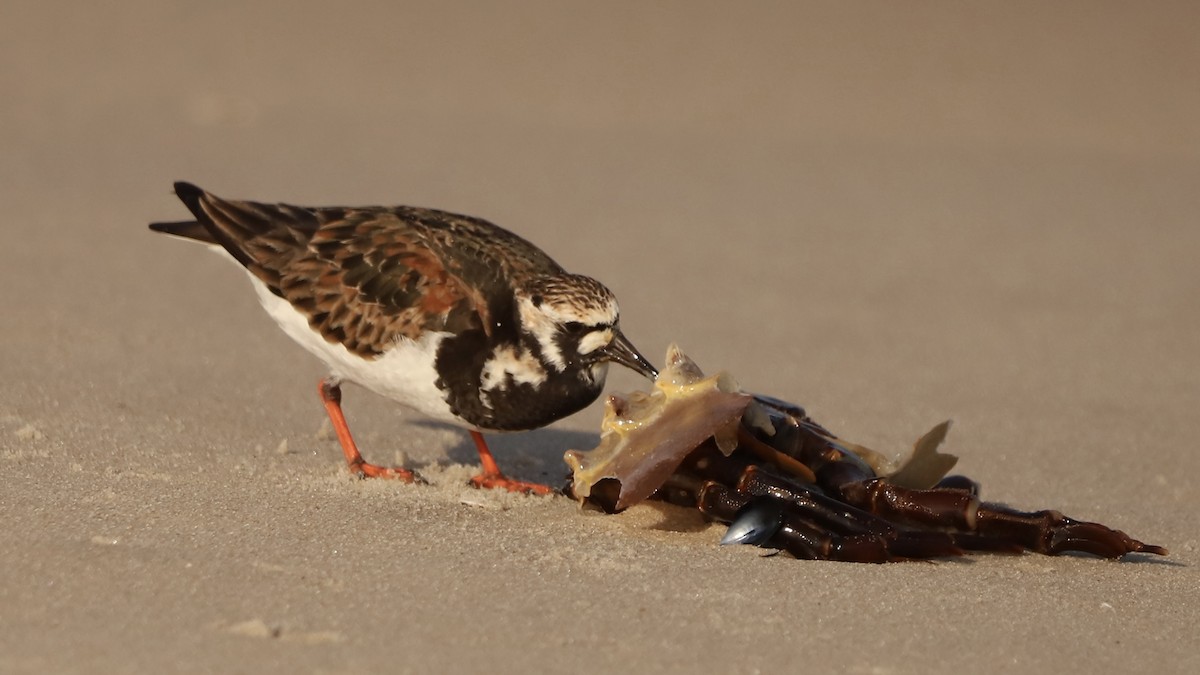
[[366, 277]]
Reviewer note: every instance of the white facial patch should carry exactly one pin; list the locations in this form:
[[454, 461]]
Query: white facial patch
[[595, 340]]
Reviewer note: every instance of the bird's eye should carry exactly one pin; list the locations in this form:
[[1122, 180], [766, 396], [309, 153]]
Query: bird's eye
[[575, 327]]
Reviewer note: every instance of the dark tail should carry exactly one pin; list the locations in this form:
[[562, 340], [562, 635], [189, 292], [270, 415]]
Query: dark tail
[[197, 229], [187, 229], [217, 221]]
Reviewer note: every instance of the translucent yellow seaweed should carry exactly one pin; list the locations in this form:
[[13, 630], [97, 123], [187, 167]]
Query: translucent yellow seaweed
[[645, 436]]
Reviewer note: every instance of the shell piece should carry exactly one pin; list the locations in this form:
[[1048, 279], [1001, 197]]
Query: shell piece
[[926, 466], [921, 470], [645, 436], [755, 523]]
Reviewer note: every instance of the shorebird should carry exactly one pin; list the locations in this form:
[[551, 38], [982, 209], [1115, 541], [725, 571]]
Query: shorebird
[[446, 314]]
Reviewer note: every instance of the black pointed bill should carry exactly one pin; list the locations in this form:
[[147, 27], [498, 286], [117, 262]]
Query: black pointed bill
[[622, 351]]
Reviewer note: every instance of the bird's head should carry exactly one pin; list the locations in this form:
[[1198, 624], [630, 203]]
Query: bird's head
[[576, 323]]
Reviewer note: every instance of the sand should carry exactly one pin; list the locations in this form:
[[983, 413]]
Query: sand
[[891, 215]]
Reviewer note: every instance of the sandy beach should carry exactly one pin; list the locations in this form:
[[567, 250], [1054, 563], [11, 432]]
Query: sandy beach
[[890, 214]]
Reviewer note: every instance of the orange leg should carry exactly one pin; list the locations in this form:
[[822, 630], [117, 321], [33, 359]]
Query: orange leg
[[492, 478], [331, 396]]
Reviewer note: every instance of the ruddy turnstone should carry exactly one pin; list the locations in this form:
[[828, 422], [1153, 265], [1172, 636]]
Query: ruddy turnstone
[[447, 314]]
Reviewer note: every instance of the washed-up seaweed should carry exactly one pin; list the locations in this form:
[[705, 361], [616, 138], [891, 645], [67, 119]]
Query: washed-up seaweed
[[783, 481]]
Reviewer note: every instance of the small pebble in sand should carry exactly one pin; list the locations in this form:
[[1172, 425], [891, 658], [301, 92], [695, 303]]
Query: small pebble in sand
[[255, 628], [30, 433]]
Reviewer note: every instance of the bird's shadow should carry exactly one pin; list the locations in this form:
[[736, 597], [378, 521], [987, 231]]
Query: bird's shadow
[[527, 455]]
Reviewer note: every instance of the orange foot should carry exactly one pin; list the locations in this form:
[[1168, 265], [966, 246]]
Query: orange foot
[[499, 481], [492, 478], [331, 396], [364, 470]]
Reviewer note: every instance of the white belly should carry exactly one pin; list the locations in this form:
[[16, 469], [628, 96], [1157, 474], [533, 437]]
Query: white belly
[[404, 373]]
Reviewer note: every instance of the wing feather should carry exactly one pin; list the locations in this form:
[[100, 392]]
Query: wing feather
[[367, 277]]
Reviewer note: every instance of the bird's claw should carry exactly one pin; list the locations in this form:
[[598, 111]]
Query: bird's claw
[[499, 481], [364, 470]]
